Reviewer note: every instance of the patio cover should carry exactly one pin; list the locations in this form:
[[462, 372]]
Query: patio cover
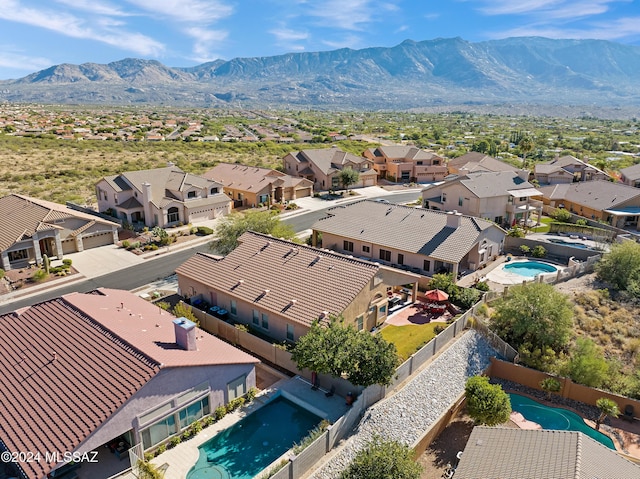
[[525, 192], [627, 211]]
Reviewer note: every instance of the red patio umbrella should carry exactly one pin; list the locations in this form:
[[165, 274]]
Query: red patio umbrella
[[436, 295]]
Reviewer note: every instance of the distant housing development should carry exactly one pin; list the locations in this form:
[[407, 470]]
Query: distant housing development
[[161, 197]]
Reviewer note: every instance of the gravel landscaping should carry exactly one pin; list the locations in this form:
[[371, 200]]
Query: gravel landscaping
[[406, 415]]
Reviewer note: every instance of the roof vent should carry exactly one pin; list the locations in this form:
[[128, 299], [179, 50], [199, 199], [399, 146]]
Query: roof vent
[[324, 314], [266, 292], [293, 302]]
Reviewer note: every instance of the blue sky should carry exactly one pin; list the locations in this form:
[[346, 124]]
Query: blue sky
[[35, 34]]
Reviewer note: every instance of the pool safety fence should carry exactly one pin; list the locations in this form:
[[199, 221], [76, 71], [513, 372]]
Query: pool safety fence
[[556, 251]]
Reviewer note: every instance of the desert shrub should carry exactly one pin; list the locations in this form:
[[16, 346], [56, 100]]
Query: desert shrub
[[2, 273], [67, 263], [161, 448], [175, 440], [516, 232], [126, 244], [482, 286], [196, 427], [220, 412], [204, 230], [561, 215], [538, 252], [439, 328], [524, 249], [208, 421], [251, 394], [39, 276]]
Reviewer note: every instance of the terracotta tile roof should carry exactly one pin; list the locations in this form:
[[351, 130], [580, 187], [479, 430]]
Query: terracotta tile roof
[[21, 217], [62, 376], [598, 194], [492, 183], [251, 178], [327, 160], [539, 454], [409, 153], [318, 280], [474, 161], [414, 230], [68, 364]]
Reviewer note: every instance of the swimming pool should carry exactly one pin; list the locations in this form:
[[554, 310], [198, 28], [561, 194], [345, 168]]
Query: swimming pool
[[529, 268], [555, 418], [246, 448], [568, 243]]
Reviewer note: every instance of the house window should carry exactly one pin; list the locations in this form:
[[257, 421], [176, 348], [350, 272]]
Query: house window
[[237, 387], [524, 198], [443, 197], [193, 412], [335, 181], [360, 323], [405, 175], [104, 194], [173, 216], [265, 321], [382, 310], [290, 332], [400, 258], [366, 249], [256, 317], [158, 432], [385, 255], [348, 245], [234, 307], [498, 220], [460, 201], [418, 162], [436, 162], [115, 199], [191, 194], [426, 265], [240, 197], [135, 193], [263, 199], [155, 219], [214, 191], [18, 255]]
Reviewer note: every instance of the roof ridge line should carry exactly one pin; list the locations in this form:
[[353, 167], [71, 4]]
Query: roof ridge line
[[577, 474]]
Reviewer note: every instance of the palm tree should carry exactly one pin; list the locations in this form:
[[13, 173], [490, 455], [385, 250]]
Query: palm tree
[[525, 145], [608, 407]]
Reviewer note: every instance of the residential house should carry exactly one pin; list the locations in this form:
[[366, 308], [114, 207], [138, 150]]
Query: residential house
[[280, 288], [322, 167], [631, 175], [161, 197], [474, 162], [504, 197], [401, 163], [423, 241], [251, 186], [614, 203], [510, 453], [31, 228], [90, 370], [567, 169]]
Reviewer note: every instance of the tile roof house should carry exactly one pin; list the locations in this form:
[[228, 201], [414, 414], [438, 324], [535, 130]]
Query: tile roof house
[[406, 163], [473, 162], [83, 370], [30, 228], [567, 169], [281, 288], [322, 166], [631, 175], [615, 203], [423, 241], [161, 197], [503, 196], [250, 185], [539, 454]]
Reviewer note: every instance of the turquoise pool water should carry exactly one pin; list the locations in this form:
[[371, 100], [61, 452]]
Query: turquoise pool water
[[246, 448], [529, 269], [568, 243], [555, 418]]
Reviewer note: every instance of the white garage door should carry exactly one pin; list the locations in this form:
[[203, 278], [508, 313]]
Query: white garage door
[[69, 246], [98, 239]]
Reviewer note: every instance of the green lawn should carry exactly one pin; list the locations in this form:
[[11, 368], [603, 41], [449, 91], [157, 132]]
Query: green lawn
[[544, 227], [408, 339]]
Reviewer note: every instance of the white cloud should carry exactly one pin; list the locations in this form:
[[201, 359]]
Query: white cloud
[[205, 40], [94, 6], [618, 29], [287, 35], [76, 27], [547, 9], [344, 14], [20, 62], [350, 41], [201, 12], [510, 7]]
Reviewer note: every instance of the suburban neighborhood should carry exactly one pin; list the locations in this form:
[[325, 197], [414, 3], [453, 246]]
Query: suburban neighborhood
[[345, 297]]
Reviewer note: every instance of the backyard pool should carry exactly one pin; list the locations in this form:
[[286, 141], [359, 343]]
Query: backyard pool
[[555, 418], [574, 244], [529, 269], [246, 448]]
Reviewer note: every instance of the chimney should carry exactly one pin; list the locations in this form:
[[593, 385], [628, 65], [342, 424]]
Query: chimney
[[454, 219], [524, 174], [146, 203], [185, 334]]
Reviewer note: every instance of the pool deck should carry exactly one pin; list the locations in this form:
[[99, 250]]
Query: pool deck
[[500, 276]]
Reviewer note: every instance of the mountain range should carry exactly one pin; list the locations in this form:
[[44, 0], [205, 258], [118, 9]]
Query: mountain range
[[451, 71]]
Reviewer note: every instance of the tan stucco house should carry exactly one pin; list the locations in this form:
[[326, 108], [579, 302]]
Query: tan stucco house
[[475, 162], [107, 371], [31, 228], [405, 164], [567, 169], [322, 167], [280, 288], [161, 197], [251, 186], [504, 197], [631, 175], [425, 242]]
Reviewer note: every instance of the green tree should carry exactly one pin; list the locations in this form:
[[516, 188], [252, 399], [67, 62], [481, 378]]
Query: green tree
[[348, 176], [381, 459], [550, 385], [562, 215], [587, 365], [233, 226], [525, 145], [621, 266], [443, 282], [487, 403], [608, 407], [182, 310], [534, 315], [481, 146], [338, 349]]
